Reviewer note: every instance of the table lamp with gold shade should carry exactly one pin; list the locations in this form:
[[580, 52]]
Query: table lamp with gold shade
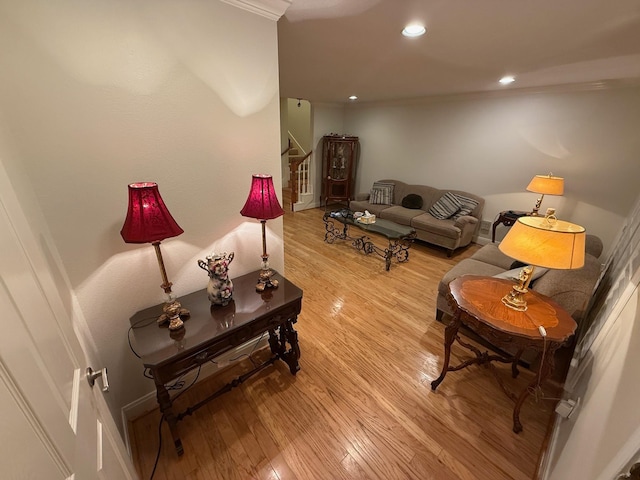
[[541, 242], [545, 185]]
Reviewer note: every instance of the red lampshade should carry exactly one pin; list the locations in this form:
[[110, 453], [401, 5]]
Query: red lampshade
[[148, 219], [262, 202]]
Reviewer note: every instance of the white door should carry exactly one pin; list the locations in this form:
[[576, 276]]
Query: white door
[[51, 426]]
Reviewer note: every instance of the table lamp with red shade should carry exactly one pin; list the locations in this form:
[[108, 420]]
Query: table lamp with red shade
[[262, 204], [149, 221]]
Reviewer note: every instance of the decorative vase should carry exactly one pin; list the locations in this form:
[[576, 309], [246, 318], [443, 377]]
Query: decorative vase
[[220, 287]]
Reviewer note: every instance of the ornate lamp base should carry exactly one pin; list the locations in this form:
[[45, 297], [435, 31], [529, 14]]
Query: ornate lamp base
[[173, 312], [515, 298], [265, 281]]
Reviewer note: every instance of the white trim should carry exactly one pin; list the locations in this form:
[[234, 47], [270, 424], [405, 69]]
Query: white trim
[[480, 95], [271, 9], [627, 455], [31, 417]]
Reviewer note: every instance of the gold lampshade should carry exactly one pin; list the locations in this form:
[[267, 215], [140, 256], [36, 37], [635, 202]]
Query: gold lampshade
[[545, 185], [541, 242]]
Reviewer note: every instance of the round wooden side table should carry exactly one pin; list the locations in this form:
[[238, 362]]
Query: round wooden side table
[[477, 303]]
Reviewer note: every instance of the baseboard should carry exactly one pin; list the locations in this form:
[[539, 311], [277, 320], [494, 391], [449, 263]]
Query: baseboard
[[298, 207], [148, 402], [482, 240]]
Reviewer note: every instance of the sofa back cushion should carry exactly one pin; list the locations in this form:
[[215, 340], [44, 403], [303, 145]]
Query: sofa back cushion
[[382, 193], [572, 289], [430, 195]]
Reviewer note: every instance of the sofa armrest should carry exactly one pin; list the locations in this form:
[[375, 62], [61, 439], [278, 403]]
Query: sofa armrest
[[360, 197], [465, 220]]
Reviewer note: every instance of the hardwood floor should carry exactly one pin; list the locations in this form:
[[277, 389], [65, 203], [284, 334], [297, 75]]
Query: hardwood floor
[[361, 406]]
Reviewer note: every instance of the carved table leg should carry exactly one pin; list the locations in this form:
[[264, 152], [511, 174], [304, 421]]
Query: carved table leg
[[291, 356], [164, 400], [450, 333], [278, 344], [514, 365]]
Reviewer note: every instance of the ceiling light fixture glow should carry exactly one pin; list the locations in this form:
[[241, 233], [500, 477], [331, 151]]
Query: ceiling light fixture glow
[[507, 80], [414, 30], [353, 97]]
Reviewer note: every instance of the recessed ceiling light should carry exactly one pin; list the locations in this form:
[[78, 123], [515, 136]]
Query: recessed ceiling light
[[507, 80], [413, 30], [353, 97]]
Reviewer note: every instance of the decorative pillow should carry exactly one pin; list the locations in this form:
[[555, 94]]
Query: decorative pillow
[[468, 205], [515, 273], [445, 207], [412, 201], [381, 193]]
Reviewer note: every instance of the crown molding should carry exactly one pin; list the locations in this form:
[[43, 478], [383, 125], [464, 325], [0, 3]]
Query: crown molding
[[271, 9], [510, 92]]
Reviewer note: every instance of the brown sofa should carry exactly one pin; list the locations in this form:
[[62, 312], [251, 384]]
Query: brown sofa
[[571, 289], [448, 233]]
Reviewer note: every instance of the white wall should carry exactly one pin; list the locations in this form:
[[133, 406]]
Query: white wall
[[493, 146], [603, 433], [299, 123], [97, 95], [608, 419]]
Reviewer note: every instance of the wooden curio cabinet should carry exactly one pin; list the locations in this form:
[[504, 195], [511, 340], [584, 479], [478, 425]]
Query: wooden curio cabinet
[[339, 161]]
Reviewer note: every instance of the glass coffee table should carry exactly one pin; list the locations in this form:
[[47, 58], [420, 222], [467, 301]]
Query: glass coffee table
[[400, 237]]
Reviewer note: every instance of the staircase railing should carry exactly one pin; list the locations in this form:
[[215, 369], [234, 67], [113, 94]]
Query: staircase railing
[[299, 177]]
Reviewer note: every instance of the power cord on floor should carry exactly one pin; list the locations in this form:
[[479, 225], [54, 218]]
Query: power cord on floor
[[179, 384], [155, 464]]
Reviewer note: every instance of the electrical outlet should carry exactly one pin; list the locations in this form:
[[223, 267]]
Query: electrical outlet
[[485, 226]]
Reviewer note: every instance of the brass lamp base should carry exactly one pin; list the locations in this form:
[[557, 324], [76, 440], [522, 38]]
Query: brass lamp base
[[173, 312], [265, 281], [515, 298]]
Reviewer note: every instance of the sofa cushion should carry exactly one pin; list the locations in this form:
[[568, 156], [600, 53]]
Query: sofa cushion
[[492, 255], [400, 215], [376, 209], [572, 289], [381, 193], [468, 266], [412, 201], [444, 228], [467, 206], [446, 206]]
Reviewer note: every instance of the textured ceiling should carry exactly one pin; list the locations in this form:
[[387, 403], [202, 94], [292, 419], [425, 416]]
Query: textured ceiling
[[330, 49]]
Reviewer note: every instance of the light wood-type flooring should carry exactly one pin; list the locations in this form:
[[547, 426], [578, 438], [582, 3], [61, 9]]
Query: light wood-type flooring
[[361, 406]]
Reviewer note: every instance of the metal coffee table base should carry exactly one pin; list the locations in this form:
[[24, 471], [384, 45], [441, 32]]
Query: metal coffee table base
[[398, 247]]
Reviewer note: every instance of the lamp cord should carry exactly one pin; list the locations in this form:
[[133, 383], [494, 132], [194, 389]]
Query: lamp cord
[[179, 384]]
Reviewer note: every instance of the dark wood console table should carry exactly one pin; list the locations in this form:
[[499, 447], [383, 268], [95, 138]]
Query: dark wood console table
[[507, 218], [477, 303], [213, 330]]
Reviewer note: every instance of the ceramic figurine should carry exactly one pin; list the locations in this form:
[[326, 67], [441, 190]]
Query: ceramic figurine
[[220, 287]]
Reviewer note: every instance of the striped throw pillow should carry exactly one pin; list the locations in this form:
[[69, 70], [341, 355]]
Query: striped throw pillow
[[468, 205], [381, 193], [446, 206]]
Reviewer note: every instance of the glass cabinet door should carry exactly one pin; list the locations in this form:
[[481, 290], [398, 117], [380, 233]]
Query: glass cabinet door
[[339, 159]]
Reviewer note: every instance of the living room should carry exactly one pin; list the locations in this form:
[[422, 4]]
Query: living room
[[94, 98]]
